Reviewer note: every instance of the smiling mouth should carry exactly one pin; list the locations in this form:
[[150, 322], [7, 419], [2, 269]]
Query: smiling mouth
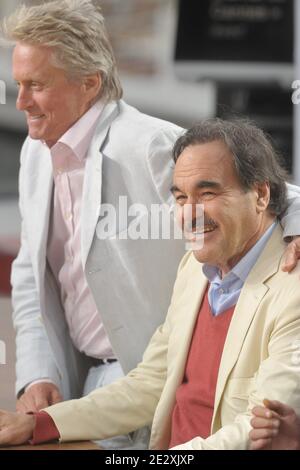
[[204, 230], [199, 232], [35, 118]]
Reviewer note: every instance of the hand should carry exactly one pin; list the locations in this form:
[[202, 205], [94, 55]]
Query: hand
[[275, 427], [292, 255], [38, 396], [15, 428]]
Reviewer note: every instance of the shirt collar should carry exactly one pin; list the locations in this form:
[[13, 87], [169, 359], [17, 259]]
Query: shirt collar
[[243, 267], [78, 137]]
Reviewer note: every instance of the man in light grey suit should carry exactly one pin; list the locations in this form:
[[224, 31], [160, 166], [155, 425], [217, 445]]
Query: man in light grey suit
[[85, 306]]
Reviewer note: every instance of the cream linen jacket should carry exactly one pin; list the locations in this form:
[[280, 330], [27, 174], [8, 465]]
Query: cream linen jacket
[[261, 358]]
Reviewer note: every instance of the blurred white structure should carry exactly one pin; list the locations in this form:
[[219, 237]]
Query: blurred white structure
[[158, 92]]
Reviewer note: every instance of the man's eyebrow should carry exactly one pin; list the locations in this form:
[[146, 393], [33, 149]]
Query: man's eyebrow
[[207, 184], [29, 81], [174, 189]]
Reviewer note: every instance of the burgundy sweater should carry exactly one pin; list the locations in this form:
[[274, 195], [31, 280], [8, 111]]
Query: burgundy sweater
[[193, 410]]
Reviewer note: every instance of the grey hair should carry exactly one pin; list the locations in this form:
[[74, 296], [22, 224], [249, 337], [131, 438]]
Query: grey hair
[[255, 158], [76, 33]]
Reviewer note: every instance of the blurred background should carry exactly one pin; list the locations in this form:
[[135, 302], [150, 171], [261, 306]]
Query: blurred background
[[180, 60]]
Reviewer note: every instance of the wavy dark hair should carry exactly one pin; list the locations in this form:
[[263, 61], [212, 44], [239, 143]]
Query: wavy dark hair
[[255, 158]]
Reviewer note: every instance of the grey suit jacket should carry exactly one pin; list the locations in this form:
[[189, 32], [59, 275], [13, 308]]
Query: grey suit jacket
[[131, 280]]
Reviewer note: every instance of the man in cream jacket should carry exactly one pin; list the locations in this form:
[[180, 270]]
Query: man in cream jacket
[[229, 337]]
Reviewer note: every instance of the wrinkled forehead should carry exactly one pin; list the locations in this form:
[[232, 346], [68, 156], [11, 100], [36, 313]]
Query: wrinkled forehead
[[33, 59], [209, 161]]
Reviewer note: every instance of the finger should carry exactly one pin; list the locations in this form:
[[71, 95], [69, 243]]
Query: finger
[[42, 397], [261, 444], [290, 259], [55, 397], [262, 412], [278, 407], [291, 255], [257, 423], [20, 407], [42, 402], [264, 433], [27, 404]]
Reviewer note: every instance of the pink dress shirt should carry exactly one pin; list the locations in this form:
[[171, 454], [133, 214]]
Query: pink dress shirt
[[64, 251]]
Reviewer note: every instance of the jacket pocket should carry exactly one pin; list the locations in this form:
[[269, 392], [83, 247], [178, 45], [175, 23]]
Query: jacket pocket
[[236, 398], [240, 387]]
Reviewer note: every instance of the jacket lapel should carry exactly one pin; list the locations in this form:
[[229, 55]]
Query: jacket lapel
[[91, 199], [251, 296], [185, 314]]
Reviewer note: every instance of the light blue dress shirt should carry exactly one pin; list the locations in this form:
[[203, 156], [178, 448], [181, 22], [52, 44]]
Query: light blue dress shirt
[[224, 293]]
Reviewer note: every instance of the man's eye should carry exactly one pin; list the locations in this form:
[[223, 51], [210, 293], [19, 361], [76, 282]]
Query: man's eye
[[36, 85]]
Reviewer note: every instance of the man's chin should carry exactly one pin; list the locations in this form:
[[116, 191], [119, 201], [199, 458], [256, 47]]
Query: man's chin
[[38, 136], [34, 135], [205, 256], [201, 256]]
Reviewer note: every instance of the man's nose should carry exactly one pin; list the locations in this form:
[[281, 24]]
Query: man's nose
[[193, 207], [24, 99], [190, 215]]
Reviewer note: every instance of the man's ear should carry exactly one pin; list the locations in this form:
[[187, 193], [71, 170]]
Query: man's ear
[[263, 196], [91, 85]]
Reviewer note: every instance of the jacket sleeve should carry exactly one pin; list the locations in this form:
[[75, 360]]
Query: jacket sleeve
[[125, 405], [160, 161], [34, 356]]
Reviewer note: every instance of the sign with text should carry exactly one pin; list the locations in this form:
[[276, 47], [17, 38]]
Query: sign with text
[[232, 30]]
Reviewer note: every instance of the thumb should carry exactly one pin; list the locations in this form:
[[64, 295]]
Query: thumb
[[278, 407], [55, 397], [290, 261]]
